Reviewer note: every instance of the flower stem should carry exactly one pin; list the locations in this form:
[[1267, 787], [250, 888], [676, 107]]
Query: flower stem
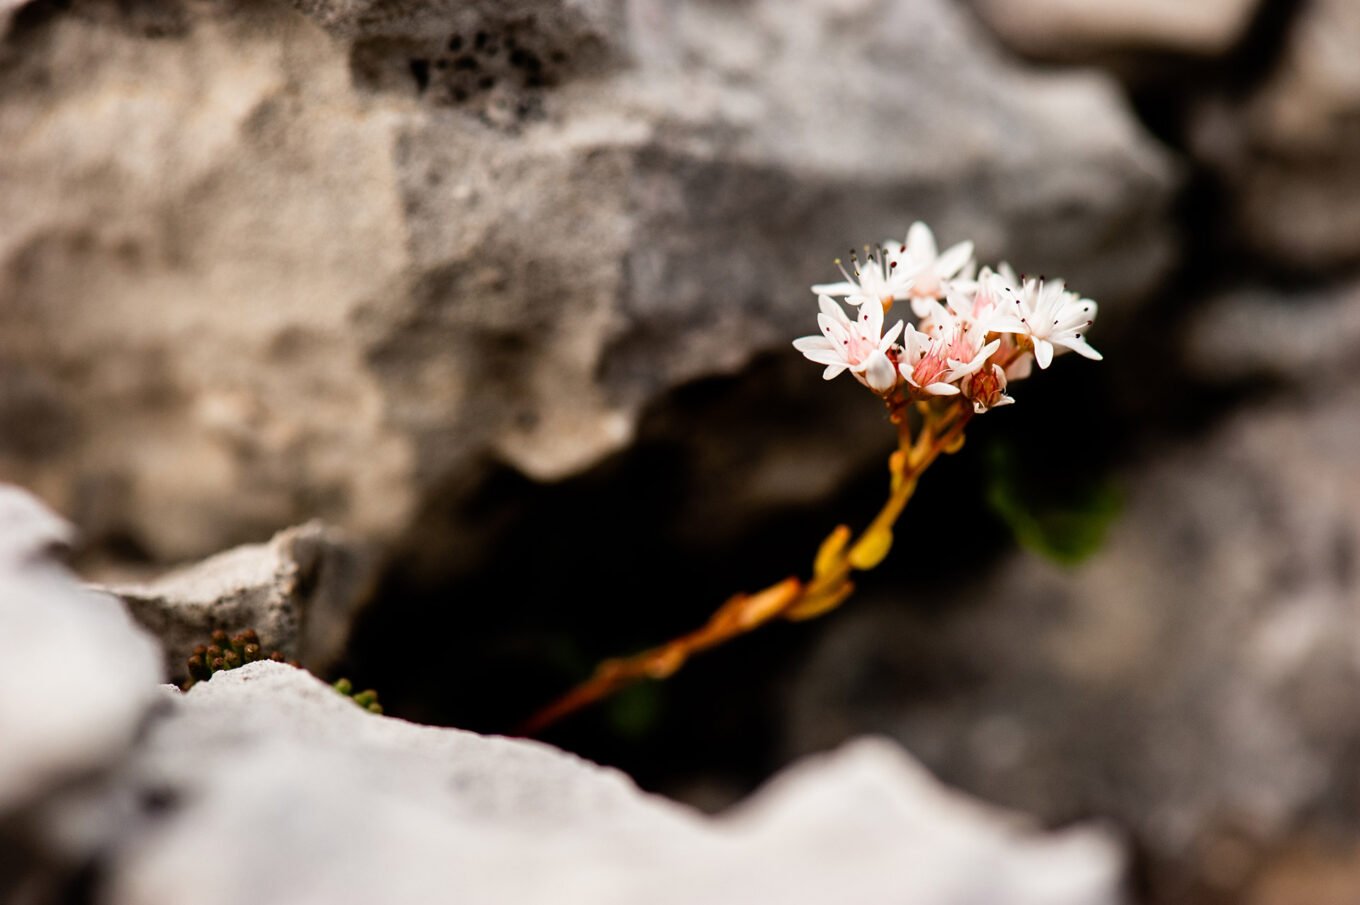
[[940, 431]]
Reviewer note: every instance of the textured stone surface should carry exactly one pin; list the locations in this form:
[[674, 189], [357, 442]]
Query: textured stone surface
[[1080, 29], [1195, 680], [276, 778], [77, 675], [1300, 337], [256, 271], [265, 782], [1290, 149], [299, 592]]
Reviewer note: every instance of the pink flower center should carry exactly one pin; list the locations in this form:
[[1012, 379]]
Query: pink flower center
[[930, 368]]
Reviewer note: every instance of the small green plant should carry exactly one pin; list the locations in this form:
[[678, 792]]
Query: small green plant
[[223, 652], [365, 699]]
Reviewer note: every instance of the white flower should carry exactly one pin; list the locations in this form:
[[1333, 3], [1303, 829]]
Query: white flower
[[976, 302], [929, 271], [879, 278], [986, 388], [934, 362], [924, 365], [853, 346], [1050, 316]]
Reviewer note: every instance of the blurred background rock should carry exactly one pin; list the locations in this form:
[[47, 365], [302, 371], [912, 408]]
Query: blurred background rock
[[504, 291]]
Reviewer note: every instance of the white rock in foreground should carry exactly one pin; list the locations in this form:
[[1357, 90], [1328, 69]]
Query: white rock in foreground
[[282, 784], [76, 676]]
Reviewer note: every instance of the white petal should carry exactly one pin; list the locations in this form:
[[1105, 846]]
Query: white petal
[[813, 344], [921, 243], [837, 289], [891, 336], [942, 389], [832, 371], [826, 357], [961, 369], [871, 320], [1005, 323], [832, 310], [839, 331], [921, 307], [879, 373], [1081, 347], [953, 260], [1043, 352]]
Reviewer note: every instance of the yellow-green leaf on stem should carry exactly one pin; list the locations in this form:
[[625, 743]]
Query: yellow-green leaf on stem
[[872, 548], [817, 604], [829, 553]]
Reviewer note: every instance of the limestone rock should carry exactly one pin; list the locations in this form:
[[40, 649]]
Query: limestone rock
[[1308, 339], [1289, 151], [299, 591], [78, 675], [279, 783], [1083, 29], [265, 782], [264, 263], [7, 9], [1194, 681]]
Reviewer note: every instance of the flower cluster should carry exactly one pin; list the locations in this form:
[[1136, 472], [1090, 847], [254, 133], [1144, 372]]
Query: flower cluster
[[975, 331]]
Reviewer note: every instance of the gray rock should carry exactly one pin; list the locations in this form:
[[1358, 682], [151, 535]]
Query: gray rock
[[1071, 30], [299, 592], [281, 784], [77, 675], [1289, 151], [262, 265], [1308, 339], [1195, 680], [7, 10]]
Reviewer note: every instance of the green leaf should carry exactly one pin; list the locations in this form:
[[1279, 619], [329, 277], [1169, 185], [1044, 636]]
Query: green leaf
[[1065, 520], [633, 712]]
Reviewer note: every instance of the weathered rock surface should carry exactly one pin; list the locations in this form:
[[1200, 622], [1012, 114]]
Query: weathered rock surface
[[265, 782], [1195, 680], [1307, 339], [1072, 30], [1289, 151], [260, 265], [274, 777], [7, 8], [299, 592], [77, 676]]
